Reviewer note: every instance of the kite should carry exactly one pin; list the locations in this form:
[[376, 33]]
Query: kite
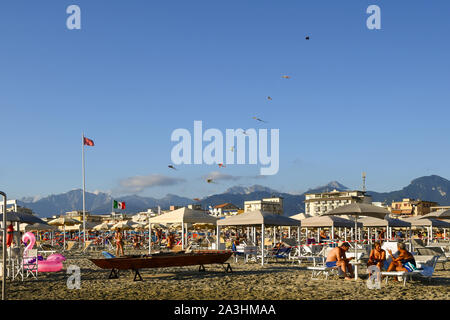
[[258, 119], [232, 149], [269, 98], [210, 181], [221, 165], [285, 77], [172, 167], [307, 38], [196, 199]]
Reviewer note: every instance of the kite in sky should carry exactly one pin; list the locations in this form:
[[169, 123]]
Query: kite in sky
[[258, 119], [196, 199], [286, 77], [232, 149], [172, 167], [307, 38], [269, 98], [221, 165], [210, 181]]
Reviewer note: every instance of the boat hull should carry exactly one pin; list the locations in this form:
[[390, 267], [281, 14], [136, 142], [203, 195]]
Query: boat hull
[[164, 260]]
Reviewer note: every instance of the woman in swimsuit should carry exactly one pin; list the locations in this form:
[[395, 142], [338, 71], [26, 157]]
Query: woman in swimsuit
[[119, 242], [377, 256]]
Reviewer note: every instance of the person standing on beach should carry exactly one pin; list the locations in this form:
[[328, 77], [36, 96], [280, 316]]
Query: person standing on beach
[[336, 258], [119, 243]]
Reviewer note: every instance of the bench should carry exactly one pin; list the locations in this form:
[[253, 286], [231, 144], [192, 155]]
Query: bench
[[317, 270], [403, 274]]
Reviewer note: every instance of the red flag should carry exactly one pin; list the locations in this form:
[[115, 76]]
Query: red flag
[[88, 142]]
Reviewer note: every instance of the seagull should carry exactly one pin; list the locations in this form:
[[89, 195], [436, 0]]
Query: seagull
[[172, 167], [258, 119]]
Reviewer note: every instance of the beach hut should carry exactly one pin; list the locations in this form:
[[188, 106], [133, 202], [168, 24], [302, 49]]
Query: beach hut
[[183, 216], [257, 218]]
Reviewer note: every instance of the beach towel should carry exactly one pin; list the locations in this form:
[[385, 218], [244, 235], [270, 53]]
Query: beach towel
[[331, 264], [108, 255], [410, 267]]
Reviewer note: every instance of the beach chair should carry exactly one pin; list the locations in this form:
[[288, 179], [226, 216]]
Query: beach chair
[[283, 253], [427, 251], [87, 245], [30, 263], [317, 270], [425, 270], [71, 245]]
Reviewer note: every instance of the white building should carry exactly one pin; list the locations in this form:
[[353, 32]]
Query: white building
[[317, 204], [273, 205]]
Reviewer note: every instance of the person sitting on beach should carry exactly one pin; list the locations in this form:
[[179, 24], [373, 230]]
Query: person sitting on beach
[[323, 235], [136, 243], [170, 241], [118, 237], [336, 258], [377, 256], [404, 257]]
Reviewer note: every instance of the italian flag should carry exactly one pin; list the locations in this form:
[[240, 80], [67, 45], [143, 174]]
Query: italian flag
[[119, 205]]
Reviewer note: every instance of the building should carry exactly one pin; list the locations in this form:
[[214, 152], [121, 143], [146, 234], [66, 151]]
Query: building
[[317, 204], [273, 205], [12, 206], [412, 207], [225, 209], [78, 215]]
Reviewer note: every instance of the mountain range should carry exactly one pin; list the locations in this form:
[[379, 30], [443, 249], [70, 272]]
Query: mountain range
[[431, 188]]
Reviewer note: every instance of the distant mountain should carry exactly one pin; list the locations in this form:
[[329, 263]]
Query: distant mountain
[[96, 203], [293, 204], [430, 188]]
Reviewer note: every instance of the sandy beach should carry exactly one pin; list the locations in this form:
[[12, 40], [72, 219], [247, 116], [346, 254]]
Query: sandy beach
[[249, 281]]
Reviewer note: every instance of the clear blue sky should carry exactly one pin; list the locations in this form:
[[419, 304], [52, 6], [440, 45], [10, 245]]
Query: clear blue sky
[[358, 100]]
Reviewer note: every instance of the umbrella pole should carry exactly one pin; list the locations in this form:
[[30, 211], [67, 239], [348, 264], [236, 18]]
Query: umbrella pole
[[356, 226], [149, 238], [262, 244]]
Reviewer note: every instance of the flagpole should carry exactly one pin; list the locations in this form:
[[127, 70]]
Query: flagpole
[[84, 187]]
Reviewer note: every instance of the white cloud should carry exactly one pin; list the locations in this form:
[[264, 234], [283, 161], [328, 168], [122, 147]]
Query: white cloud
[[139, 183]]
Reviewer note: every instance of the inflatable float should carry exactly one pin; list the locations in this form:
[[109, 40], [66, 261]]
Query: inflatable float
[[52, 264]]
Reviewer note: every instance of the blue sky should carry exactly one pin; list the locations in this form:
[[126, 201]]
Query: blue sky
[[358, 99]]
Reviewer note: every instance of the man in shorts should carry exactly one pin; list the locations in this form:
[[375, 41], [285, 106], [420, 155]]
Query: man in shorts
[[336, 258]]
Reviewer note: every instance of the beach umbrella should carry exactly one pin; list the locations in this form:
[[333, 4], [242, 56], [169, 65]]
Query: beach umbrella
[[22, 218], [101, 227], [123, 225], [63, 222], [356, 210], [440, 214], [38, 227]]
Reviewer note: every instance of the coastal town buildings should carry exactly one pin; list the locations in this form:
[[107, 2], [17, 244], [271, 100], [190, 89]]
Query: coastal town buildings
[[412, 207], [317, 204], [273, 205]]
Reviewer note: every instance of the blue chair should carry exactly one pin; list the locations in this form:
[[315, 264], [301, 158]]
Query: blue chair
[[108, 255]]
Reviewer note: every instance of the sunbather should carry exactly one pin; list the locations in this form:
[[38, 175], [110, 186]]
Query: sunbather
[[119, 242], [336, 258], [377, 256], [404, 257]]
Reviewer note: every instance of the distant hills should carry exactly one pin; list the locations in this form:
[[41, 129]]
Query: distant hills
[[432, 188]]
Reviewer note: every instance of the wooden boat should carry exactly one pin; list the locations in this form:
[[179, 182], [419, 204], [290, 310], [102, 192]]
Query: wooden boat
[[163, 260]]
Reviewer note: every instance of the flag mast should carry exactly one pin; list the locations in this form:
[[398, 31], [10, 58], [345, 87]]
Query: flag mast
[[84, 187]]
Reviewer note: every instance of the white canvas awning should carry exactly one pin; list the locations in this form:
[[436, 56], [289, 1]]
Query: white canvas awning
[[257, 218], [386, 222], [435, 223], [328, 221], [300, 216], [184, 215]]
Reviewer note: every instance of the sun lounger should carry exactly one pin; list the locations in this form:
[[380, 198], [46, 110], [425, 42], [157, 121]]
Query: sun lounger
[[323, 269], [426, 271]]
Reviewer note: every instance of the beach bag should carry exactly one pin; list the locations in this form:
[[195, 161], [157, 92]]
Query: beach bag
[[410, 267]]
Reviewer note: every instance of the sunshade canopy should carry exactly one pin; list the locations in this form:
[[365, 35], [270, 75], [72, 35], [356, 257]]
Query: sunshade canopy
[[359, 209], [416, 222], [300, 216], [63, 221], [184, 215], [328, 221], [21, 217], [258, 217], [440, 214], [36, 227], [386, 222], [101, 227], [123, 225]]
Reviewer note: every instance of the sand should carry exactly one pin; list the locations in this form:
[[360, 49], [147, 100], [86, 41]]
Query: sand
[[249, 281]]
